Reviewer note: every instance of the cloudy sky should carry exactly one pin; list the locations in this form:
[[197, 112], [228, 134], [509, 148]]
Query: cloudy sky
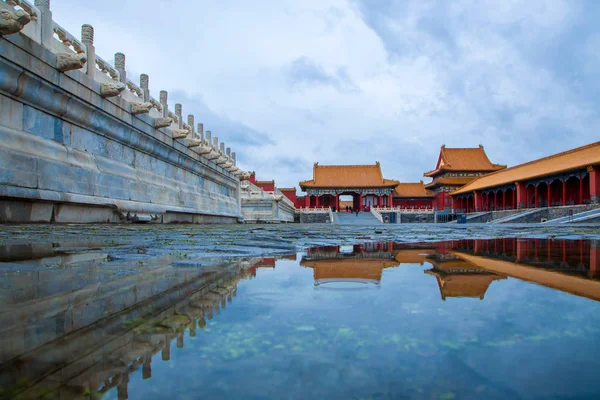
[[287, 83]]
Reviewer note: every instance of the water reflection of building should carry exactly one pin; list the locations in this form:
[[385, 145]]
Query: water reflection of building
[[359, 263], [116, 334], [467, 268], [568, 265], [458, 278]]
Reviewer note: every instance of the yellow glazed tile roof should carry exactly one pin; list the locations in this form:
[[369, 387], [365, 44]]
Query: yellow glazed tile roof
[[343, 176], [463, 159], [412, 189]]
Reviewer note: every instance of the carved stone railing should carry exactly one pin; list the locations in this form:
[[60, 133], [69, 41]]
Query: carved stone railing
[[35, 21], [109, 73], [404, 210], [34, 28], [330, 215], [314, 210], [65, 41]]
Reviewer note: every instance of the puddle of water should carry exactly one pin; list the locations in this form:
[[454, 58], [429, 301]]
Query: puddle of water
[[493, 319]]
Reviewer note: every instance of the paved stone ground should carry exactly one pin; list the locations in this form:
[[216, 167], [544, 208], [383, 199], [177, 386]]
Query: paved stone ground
[[187, 244]]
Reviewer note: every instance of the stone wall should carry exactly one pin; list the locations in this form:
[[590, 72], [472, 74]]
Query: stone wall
[[314, 218], [75, 146], [415, 218], [266, 210]]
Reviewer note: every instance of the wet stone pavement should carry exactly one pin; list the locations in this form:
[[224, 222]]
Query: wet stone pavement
[[299, 311], [215, 242]]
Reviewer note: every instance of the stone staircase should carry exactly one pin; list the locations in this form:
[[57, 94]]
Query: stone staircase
[[363, 218], [577, 217], [515, 218]]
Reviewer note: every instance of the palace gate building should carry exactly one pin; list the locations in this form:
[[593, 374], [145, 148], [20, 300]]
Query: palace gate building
[[365, 183], [457, 167]]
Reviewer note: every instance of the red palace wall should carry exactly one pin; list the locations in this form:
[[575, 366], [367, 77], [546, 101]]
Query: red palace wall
[[291, 195], [267, 186]]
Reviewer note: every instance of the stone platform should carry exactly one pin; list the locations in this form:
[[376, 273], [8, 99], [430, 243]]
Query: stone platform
[[79, 142]]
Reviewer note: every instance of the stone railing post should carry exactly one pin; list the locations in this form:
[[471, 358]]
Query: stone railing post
[[120, 66], [222, 148], [164, 95], [233, 158], [190, 120], [209, 137], [45, 20], [87, 38], [201, 130], [179, 116], [216, 143], [228, 152], [145, 86]]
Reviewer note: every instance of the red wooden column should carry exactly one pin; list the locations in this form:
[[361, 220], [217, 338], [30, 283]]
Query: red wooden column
[[478, 201], [594, 172], [520, 195], [504, 199], [337, 201], [581, 190], [564, 192], [360, 207], [521, 249], [307, 201], [317, 201], [379, 201], [495, 200], [535, 196], [390, 200]]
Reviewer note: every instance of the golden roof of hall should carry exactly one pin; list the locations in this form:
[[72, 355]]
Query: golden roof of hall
[[348, 176], [577, 158], [470, 159], [412, 190], [463, 285]]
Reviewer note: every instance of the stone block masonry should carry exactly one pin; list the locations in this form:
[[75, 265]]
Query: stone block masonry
[[81, 143]]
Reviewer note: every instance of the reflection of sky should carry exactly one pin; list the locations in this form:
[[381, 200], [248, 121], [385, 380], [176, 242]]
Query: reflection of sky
[[283, 338]]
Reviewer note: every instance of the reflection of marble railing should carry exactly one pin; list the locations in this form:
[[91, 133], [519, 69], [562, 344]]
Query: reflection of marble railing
[[103, 355], [35, 22]]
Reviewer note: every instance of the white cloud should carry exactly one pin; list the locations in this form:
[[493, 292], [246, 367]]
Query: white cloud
[[349, 82]]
